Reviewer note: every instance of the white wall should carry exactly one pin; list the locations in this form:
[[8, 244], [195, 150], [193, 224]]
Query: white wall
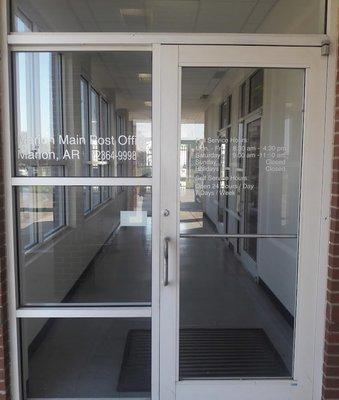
[[228, 85], [51, 271], [278, 192]]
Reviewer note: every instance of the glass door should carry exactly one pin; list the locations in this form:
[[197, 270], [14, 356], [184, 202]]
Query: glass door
[[242, 130], [86, 236]]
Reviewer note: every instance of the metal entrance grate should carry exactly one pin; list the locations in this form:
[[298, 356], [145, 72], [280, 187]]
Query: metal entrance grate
[[204, 354], [228, 353]]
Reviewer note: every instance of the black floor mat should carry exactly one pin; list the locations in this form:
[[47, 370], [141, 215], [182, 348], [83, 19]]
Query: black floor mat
[[228, 353], [204, 353], [135, 372]]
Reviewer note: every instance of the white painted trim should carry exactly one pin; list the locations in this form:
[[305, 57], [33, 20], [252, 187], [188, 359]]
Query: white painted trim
[[84, 47], [156, 248], [170, 84], [86, 398], [311, 208], [15, 377], [233, 56], [112, 38], [65, 181], [84, 312], [178, 217], [248, 390]]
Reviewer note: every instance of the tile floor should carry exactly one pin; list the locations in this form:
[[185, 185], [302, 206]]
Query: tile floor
[[81, 358]]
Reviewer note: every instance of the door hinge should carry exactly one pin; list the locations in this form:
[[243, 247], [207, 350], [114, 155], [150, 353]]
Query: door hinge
[[325, 48]]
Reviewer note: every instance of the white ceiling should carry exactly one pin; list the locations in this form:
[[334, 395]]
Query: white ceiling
[[116, 74], [147, 15], [197, 85]]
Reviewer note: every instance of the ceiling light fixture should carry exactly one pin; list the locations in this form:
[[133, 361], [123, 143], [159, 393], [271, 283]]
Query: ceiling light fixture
[[132, 12], [144, 77]]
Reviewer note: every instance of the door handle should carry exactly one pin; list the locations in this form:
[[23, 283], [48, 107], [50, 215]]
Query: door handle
[[165, 271]]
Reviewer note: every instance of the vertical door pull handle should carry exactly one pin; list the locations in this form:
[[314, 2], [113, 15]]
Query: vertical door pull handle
[[165, 272]]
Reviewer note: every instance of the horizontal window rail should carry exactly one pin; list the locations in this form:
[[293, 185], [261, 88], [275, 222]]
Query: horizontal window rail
[[90, 312], [81, 181], [91, 40], [235, 236], [88, 305]]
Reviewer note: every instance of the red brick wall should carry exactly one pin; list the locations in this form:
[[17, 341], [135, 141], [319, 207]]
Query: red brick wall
[[4, 351], [331, 356]]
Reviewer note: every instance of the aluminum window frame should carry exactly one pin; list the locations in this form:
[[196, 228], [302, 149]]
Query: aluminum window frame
[[87, 310], [238, 58]]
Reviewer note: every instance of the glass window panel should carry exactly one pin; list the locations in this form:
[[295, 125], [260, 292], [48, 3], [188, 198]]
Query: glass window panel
[[95, 131], [225, 112], [239, 195], [22, 24], [83, 114], [105, 169], [95, 147], [103, 256], [42, 213], [242, 105], [28, 217], [87, 199], [51, 209], [239, 294], [84, 92], [256, 90], [86, 358], [204, 16], [222, 178], [252, 179], [95, 196], [231, 325], [238, 149], [265, 152], [38, 114]]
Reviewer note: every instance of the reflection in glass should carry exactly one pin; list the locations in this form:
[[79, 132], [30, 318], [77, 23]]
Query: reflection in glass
[[234, 16], [252, 179], [28, 228], [238, 295], [38, 114], [242, 100], [86, 358], [21, 23], [42, 213], [230, 325], [225, 112], [51, 202], [67, 255], [83, 114], [256, 87]]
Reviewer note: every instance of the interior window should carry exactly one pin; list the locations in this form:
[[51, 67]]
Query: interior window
[[256, 84], [66, 105], [200, 16]]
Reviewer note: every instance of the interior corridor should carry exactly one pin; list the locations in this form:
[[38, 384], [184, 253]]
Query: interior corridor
[[91, 246], [73, 358]]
